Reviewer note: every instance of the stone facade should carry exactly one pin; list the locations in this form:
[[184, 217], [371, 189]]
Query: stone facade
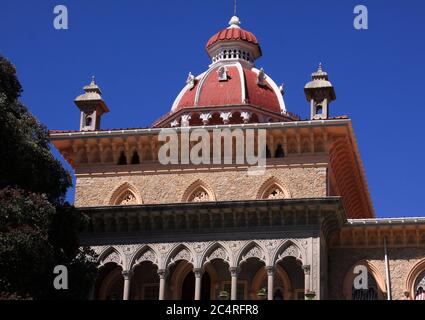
[[159, 188], [401, 262], [185, 231]]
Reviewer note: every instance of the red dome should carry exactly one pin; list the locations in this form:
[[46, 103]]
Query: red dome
[[232, 34], [240, 88]]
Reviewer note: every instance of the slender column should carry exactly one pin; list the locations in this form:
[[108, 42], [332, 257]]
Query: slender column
[[306, 269], [162, 279], [234, 285], [127, 279], [270, 278], [198, 281]]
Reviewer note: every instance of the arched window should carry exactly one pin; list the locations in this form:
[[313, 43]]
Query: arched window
[[198, 191], [268, 154], [127, 198], [420, 287], [124, 195], [135, 158], [273, 189], [274, 192], [89, 121], [366, 294], [279, 152], [122, 159], [199, 195], [375, 290], [319, 109]]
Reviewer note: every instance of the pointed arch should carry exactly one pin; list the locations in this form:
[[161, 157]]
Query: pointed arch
[[272, 188], [374, 272], [213, 252], [413, 279], [125, 194], [145, 253], [251, 250], [198, 191], [289, 249], [111, 255], [180, 252]]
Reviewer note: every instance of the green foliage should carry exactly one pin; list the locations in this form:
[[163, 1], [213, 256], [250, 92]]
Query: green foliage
[[38, 230]]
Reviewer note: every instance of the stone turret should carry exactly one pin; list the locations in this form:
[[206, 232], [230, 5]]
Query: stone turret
[[320, 93], [92, 107]]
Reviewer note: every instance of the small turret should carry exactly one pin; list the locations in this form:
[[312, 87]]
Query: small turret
[[320, 93], [92, 107]]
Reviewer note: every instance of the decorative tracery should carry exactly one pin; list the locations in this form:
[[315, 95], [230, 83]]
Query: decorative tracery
[[126, 199], [200, 195], [125, 195], [274, 193], [420, 287], [198, 192], [271, 189]]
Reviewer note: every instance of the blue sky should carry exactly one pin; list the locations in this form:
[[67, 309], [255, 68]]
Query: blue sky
[[142, 51]]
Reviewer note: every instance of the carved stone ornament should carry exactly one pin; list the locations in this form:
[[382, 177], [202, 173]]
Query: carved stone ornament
[[291, 251], [254, 252], [235, 245], [199, 196], [222, 74], [261, 78], [190, 80], [183, 255], [246, 116], [164, 248], [186, 120], [129, 249], [271, 244], [113, 257], [198, 247], [148, 255], [275, 193], [225, 116], [127, 199], [205, 117], [99, 249], [218, 253]]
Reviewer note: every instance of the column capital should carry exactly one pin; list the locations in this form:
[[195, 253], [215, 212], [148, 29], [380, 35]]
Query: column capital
[[163, 273], [198, 272], [234, 271], [127, 274], [306, 269], [270, 270]]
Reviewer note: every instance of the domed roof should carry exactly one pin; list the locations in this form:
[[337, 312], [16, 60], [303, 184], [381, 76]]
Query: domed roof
[[232, 34], [240, 86], [232, 85]]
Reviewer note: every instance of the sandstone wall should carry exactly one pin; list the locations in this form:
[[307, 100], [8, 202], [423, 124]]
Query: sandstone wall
[[401, 261], [169, 187]]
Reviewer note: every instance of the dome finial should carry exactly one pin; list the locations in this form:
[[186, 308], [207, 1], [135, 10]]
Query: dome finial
[[234, 22], [320, 69], [93, 80]]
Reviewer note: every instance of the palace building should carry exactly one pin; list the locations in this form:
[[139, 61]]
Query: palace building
[[212, 231]]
